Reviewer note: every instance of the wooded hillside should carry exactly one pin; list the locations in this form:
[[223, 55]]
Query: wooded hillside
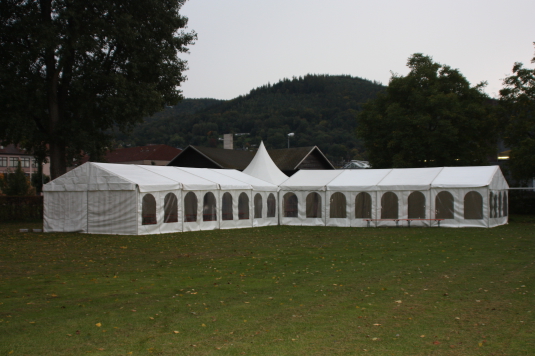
[[319, 109]]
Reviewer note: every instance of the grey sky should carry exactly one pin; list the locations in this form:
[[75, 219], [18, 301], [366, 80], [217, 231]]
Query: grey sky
[[244, 44]]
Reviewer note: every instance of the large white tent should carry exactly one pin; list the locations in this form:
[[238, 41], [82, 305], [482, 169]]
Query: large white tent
[[132, 199], [449, 196]]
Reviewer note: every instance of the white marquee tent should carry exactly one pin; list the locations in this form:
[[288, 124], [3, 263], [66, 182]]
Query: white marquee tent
[[451, 196], [132, 199]]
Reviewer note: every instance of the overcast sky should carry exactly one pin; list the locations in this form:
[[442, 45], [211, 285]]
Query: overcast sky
[[243, 44]]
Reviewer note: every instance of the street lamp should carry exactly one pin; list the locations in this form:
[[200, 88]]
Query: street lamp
[[291, 134]]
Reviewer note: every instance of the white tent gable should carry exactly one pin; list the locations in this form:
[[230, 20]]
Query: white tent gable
[[263, 167], [469, 177]]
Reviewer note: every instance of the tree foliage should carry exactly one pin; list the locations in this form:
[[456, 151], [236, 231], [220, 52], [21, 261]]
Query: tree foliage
[[517, 98], [319, 109], [71, 70], [15, 183], [429, 118]]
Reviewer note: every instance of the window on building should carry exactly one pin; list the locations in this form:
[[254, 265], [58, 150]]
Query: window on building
[[148, 210], [389, 206], [338, 205], [170, 206], [473, 206], [258, 206], [271, 206], [444, 206], [313, 205], [363, 206], [243, 206], [3, 161], [416, 204], [290, 205], [25, 162], [190, 207], [226, 208], [209, 204], [13, 162]]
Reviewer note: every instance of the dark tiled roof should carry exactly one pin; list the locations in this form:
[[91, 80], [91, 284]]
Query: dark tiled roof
[[287, 159], [12, 150], [229, 159], [151, 152]]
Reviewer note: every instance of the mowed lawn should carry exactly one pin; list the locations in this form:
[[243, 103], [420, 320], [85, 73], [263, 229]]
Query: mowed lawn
[[270, 291]]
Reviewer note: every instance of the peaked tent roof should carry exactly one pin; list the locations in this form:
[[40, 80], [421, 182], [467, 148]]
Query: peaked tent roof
[[310, 180], [363, 179], [263, 167], [257, 184], [467, 177], [409, 178]]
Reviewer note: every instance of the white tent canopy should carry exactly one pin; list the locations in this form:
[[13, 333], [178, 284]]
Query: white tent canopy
[[263, 167]]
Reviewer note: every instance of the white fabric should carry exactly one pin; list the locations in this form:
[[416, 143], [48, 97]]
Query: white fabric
[[187, 180], [224, 181], [257, 184], [112, 212], [263, 167], [65, 212], [358, 180], [409, 179], [310, 180]]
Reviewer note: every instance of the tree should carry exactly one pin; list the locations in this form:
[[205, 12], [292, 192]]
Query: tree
[[15, 183], [517, 98], [72, 71], [429, 118]]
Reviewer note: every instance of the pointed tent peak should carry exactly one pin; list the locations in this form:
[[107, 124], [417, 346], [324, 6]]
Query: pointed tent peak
[[263, 167]]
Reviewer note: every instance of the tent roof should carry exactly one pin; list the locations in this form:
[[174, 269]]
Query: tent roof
[[364, 179], [225, 182], [263, 167], [257, 184], [409, 179], [310, 180], [187, 180], [467, 177]]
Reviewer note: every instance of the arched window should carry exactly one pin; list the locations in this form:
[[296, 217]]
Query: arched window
[[338, 206], [389, 206], [492, 205], [313, 207], [209, 204], [500, 212], [473, 206], [416, 204], [444, 206], [504, 204], [170, 206], [290, 205], [258, 206], [243, 206], [190, 207], [271, 206], [363, 206], [227, 207], [148, 210]]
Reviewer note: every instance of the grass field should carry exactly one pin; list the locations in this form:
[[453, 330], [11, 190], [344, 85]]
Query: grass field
[[270, 291]]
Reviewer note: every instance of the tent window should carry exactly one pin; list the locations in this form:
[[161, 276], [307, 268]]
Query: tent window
[[444, 206], [313, 205], [170, 204], [290, 205], [363, 206], [473, 206], [416, 205], [389, 206], [258, 206], [227, 207], [492, 205], [338, 205], [243, 206], [271, 205], [505, 212], [190, 207], [500, 212], [209, 207], [148, 210]]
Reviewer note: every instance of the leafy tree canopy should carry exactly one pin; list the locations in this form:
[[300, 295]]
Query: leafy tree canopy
[[71, 70], [431, 117], [15, 183], [518, 101]]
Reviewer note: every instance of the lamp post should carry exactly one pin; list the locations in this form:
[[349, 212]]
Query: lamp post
[[291, 134]]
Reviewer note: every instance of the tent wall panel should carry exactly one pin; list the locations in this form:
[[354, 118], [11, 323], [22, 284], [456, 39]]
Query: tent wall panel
[[334, 206], [237, 214], [367, 208], [267, 210], [112, 212], [65, 211]]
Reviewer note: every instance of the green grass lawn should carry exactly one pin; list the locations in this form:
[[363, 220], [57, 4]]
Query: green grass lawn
[[270, 291]]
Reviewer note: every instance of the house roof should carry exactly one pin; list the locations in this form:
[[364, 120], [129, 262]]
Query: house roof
[[287, 159], [150, 152], [12, 150]]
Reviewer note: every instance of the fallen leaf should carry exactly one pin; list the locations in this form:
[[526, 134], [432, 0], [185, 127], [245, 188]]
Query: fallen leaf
[[436, 342], [98, 324], [398, 301], [176, 332]]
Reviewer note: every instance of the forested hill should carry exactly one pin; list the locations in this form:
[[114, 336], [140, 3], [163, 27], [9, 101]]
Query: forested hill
[[319, 109]]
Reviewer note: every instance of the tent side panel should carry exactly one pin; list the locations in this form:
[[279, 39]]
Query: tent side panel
[[112, 212], [65, 212]]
